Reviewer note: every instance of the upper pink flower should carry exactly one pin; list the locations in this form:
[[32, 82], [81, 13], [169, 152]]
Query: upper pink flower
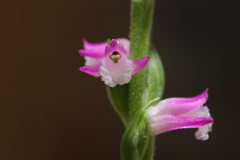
[[178, 113], [115, 67], [94, 52]]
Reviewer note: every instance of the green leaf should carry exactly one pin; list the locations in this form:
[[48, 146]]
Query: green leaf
[[118, 97], [155, 78]]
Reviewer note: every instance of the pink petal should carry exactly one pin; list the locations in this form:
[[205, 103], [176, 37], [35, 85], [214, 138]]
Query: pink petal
[[140, 64], [92, 70], [96, 50], [202, 111], [178, 106], [125, 42], [166, 123], [94, 53], [88, 45]]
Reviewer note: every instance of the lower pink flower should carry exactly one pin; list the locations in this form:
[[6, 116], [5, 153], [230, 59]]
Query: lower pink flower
[[179, 113]]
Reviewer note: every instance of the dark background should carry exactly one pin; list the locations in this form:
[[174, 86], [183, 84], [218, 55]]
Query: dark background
[[51, 111]]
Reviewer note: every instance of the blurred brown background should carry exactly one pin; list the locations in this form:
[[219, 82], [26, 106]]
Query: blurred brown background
[[51, 111]]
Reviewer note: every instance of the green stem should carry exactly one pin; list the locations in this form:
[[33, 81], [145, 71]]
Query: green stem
[[144, 90], [141, 23]]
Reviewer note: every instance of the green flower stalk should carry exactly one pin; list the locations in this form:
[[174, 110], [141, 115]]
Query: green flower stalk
[[145, 88], [141, 24]]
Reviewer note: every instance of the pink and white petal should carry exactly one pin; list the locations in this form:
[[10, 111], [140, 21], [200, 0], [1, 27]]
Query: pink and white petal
[[202, 111], [88, 45], [166, 123], [140, 64], [97, 53], [179, 106], [125, 42], [92, 70], [91, 61]]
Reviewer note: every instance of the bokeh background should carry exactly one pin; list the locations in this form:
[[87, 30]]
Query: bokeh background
[[51, 111]]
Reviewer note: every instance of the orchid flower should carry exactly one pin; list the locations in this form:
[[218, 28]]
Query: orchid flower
[[94, 52], [115, 67], [179, 113]]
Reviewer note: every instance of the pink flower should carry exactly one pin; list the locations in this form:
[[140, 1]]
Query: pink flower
[[179, 113], [114, 67], [94, 52]]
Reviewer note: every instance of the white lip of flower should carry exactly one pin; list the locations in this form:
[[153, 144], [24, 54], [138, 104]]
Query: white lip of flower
[[202, 132], [112, 74]]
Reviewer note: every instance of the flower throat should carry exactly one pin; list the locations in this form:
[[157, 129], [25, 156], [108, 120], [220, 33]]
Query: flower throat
[[115, 56]]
